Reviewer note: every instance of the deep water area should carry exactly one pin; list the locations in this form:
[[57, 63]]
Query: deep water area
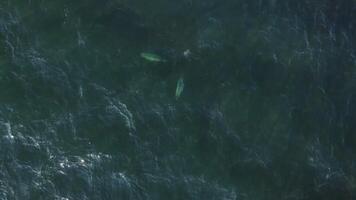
[[178, 100]]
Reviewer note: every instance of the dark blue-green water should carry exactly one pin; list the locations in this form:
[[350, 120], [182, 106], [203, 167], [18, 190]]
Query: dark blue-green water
[[236, 100]]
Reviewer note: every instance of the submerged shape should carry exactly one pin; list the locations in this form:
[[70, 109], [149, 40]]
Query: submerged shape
[[152, 57], [180, 87]]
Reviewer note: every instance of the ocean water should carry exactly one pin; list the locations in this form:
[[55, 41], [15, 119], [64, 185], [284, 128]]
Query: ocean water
[[234, 100]]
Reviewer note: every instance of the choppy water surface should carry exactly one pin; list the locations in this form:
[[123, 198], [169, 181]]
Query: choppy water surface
[[192, 99]]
